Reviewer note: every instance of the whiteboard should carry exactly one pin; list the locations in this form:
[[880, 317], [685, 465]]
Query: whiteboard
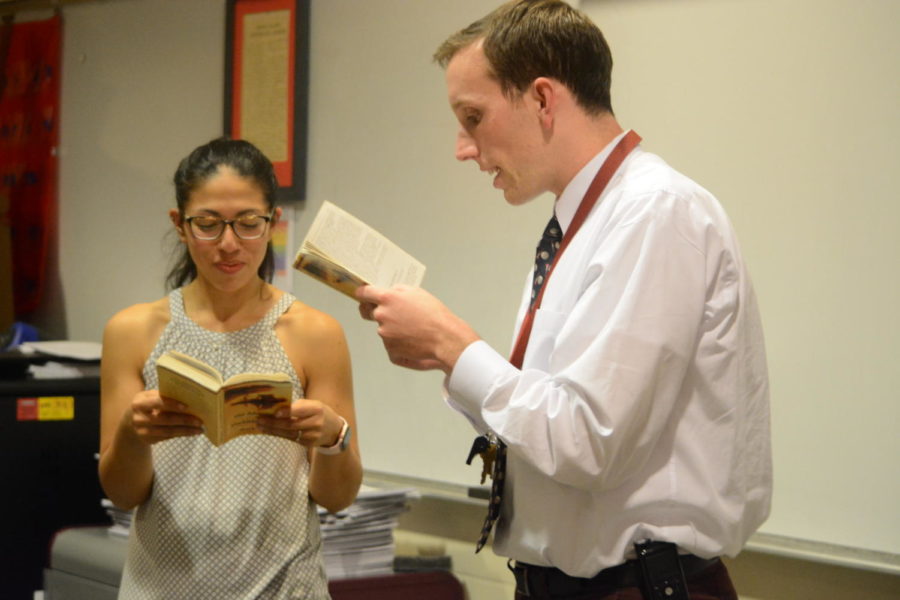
[[789, 111]]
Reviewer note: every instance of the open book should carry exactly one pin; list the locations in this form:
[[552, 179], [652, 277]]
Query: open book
[[343, 252], [228, 408]]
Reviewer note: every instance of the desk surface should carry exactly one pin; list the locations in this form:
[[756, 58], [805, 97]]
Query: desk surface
[[47, 387]]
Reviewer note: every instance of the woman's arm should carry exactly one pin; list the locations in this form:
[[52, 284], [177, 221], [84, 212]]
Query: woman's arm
[[317, 348], [131, 418]]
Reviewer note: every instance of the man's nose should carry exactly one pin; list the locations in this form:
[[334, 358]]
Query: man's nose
[[465, 146]]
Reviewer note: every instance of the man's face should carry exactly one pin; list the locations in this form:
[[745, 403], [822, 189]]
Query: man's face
[[503, 136]]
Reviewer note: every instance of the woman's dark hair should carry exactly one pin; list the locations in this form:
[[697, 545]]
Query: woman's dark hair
[[204, 162]]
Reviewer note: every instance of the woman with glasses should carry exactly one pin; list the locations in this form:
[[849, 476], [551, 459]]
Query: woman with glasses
[[239, 520]]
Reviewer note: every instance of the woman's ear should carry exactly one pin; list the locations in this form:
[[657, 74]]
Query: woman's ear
[[178, 222], [276, 217]]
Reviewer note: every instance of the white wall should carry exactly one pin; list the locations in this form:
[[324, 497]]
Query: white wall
[[142, 86]]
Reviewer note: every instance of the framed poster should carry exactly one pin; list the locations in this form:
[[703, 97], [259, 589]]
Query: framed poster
[[267, 82]]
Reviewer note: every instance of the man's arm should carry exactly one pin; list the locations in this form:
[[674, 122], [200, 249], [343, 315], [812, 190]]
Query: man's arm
[[602, 376], [608, 355]]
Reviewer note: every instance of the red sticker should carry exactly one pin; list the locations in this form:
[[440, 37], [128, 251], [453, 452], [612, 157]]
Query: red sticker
[[26, 409]]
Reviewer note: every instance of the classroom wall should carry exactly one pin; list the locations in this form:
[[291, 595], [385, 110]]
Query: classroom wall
[[143, 85]]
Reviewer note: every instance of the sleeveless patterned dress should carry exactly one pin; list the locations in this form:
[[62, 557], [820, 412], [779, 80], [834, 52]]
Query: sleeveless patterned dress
[[233, 522]]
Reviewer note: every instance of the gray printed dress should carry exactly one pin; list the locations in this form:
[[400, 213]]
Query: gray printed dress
[[234, 522]]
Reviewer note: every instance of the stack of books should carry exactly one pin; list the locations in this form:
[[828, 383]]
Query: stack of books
[[359, 541]]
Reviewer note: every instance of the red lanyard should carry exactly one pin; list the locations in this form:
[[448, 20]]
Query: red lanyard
[[601, 179]]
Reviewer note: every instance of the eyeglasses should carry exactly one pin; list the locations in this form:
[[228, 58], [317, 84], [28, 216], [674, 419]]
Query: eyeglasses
[[247, 227]]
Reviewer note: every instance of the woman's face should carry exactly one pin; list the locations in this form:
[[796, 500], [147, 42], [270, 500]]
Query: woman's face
[[227, 262]]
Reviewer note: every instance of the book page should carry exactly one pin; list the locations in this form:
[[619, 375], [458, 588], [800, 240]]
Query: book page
[[245, 378], [189, 366], [195, 384], [343, 239], [200, 400]]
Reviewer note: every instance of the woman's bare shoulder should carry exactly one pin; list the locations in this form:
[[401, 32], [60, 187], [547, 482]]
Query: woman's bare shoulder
[[139, 321], [312, 339], [308, 323]]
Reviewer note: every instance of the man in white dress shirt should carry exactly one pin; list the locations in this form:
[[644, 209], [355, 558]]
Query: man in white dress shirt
[[636, 420]]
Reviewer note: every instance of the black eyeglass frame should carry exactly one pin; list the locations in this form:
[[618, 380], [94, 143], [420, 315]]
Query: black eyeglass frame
[[228, 223]]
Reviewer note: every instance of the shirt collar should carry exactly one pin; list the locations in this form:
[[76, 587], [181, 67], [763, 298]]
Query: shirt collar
[[568, 202]]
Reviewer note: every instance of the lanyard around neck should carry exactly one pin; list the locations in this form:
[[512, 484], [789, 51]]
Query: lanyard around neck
[[601, 179]]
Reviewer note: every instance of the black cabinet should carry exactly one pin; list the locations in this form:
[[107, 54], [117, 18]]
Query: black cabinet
[[49, 436]]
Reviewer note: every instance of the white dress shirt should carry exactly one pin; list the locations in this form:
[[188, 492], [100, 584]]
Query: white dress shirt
[[642, 406]]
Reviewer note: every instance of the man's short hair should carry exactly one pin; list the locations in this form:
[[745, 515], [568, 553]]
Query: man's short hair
[[527, 39]]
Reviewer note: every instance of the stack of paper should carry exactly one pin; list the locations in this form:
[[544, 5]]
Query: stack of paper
[[359, 541], [121, 518], [62, 359]]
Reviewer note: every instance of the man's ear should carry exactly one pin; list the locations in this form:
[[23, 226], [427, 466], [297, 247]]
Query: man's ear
[[178, 222], [543, 92]]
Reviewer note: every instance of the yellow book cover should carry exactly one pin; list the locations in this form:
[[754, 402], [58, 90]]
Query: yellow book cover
[[228, 408]]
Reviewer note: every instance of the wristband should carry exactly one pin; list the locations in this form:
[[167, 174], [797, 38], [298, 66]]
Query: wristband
[[342, 442]]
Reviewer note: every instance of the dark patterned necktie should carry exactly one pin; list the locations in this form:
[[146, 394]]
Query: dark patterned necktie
[[543, 260]]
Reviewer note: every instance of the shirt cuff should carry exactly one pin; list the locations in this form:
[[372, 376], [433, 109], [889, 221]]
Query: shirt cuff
[[477, 373]]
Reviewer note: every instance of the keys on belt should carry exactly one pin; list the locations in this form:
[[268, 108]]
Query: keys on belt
[[486, 447]]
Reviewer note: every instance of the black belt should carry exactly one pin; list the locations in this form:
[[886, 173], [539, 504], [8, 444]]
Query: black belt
[[533, 580]]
